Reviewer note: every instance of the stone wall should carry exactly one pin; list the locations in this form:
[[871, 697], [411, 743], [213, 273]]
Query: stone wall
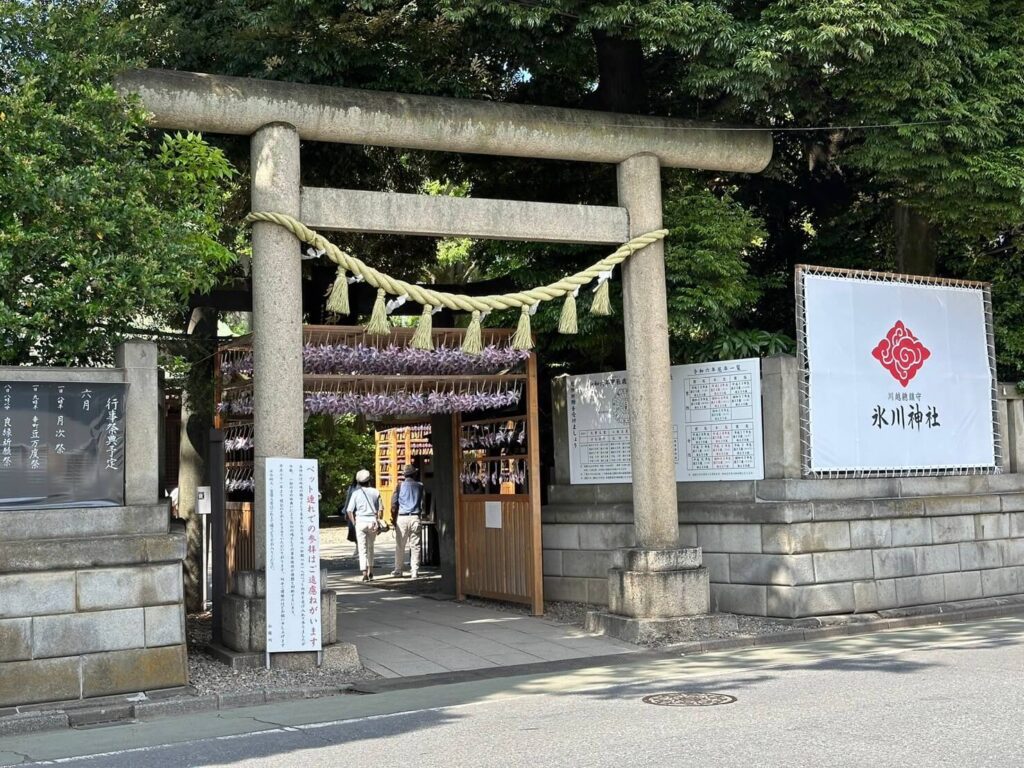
[[91, 599], [792, 547]]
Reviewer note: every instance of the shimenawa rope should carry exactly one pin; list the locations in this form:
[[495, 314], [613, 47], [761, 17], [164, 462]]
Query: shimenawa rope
[[430, 299]]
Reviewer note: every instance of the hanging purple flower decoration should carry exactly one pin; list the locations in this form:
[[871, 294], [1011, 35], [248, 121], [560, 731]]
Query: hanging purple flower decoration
[[403, 403], [392, 360]]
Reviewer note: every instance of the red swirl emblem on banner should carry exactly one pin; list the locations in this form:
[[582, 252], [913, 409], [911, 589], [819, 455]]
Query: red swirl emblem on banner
[[901, 353]]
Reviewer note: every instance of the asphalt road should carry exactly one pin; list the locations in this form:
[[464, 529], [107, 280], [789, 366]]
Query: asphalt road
[[941, 696]]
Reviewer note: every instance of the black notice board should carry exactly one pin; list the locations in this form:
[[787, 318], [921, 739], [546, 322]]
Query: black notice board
[[61, 444]]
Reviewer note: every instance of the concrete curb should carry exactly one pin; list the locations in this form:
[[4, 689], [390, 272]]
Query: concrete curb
[[36, 718], [112, 710]]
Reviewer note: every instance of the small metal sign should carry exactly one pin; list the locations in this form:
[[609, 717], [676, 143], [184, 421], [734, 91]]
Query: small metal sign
[[681, 699], [203, 503]]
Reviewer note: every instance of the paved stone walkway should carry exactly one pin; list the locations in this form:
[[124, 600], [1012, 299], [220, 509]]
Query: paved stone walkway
[[399, 634]]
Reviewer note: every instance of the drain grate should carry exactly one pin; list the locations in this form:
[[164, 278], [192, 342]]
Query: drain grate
[[680, 699]]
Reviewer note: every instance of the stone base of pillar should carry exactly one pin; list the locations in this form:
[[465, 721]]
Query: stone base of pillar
[[658, 584], [650, 591], [656, 631], [244, 628]]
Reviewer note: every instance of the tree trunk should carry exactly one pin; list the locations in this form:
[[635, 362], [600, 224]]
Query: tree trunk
[[621, 84], [196, 419], [916, 242]]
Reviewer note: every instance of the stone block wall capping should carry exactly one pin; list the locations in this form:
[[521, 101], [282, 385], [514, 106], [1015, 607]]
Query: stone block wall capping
[[795, 490], [81, 522], [84, 553]]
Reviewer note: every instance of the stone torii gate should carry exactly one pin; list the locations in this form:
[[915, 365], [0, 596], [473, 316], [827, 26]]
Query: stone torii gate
[[657, 579]]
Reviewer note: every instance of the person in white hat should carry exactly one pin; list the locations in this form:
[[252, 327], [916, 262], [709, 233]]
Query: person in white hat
[[364, 507]]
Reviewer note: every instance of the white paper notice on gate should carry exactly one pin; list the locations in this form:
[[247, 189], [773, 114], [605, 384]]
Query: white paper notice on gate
[[899, 375], [293, 555]]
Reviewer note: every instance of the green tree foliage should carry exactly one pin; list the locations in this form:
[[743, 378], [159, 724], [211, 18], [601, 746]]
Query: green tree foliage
[[710, 288], [937, 193], [100, 230], [952, 69], [342, 445], [941, 191]]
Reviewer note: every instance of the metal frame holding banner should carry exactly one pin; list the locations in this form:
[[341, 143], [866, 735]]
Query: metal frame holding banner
[[897, 375]]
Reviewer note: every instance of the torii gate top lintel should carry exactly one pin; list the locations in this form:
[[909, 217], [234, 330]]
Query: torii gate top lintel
[[236, 105]]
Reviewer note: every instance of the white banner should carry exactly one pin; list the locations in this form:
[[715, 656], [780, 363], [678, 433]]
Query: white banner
[[716, 408], [293, 555], [899, 375]]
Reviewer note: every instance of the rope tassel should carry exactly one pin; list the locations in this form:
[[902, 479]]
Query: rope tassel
[[567, 322], [602, 303], [524, 335], [337, 300], [473, 343], [379, 325], [424, 336]]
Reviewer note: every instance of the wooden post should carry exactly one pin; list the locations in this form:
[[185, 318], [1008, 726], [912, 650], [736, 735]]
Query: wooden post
[[460, 556], [218, 385], [533, 436]]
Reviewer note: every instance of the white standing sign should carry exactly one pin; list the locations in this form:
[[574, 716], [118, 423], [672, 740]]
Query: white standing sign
[[716, 410], [293, 555], [898, 374]]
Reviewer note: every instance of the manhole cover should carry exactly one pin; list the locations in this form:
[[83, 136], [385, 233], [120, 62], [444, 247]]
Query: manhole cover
[[688, 699]]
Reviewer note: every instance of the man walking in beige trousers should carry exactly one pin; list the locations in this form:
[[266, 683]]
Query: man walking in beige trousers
[[409, 503]]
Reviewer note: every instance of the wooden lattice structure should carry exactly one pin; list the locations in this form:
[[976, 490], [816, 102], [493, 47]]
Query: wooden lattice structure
[[393, 449], [496, 462]]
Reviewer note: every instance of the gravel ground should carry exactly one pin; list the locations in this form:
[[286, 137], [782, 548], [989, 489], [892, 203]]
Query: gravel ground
[[746, 626], [208, 675]]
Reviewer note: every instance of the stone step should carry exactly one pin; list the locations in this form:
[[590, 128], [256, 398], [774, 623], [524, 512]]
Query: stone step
[[80, 522], [73, 554]]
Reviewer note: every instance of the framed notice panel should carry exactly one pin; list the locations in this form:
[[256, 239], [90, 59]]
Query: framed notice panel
[[716, 424], [61, 444], [293, 555], [898, 374]]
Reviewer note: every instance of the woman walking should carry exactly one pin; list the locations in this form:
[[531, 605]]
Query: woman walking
[[364, 507]]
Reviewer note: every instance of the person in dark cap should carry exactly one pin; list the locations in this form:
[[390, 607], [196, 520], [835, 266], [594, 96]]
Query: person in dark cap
[[409, 502]]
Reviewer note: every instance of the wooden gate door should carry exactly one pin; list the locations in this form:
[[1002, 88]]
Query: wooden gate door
[[497, 505]]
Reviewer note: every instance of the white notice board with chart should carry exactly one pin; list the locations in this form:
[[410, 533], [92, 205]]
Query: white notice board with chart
[[716, 424]]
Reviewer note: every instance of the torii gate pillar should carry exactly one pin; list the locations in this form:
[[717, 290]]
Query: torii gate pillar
[[655, 585], [276, 312]]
